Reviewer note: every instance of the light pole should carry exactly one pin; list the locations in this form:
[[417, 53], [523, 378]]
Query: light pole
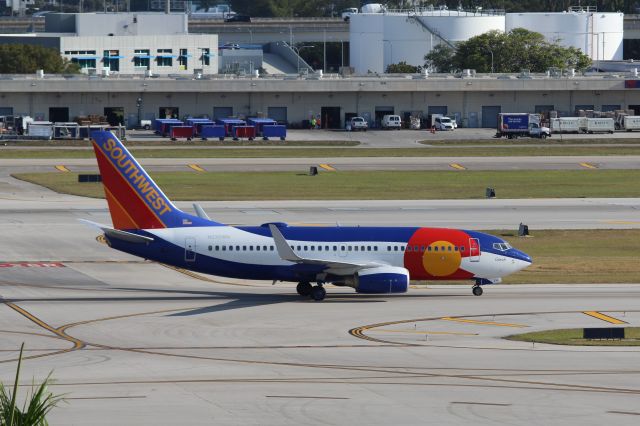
[[490, 51], [297, 50]]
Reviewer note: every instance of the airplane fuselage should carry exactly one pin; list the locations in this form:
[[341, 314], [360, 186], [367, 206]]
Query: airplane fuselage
[[250, 252]]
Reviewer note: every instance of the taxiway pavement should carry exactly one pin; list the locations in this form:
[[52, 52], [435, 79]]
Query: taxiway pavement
[[132, 342]]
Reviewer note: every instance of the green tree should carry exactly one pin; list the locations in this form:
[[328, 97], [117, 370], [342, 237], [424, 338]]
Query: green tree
[[440, 58], [27, 59], [402, 68], [507, 52]]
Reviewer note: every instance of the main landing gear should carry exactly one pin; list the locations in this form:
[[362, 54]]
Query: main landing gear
[[477, 290], [317, 292]]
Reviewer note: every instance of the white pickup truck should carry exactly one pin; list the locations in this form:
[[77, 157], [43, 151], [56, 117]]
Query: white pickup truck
[[358, 123]]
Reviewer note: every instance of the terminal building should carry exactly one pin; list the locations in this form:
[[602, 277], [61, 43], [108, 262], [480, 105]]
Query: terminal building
[[147, 65]]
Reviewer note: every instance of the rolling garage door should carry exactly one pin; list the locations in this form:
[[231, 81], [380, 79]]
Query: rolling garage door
[[490, 116], [278, 113]]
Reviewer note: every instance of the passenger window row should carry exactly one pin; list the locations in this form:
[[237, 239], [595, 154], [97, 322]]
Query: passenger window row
[[242, 248], [327, 248]]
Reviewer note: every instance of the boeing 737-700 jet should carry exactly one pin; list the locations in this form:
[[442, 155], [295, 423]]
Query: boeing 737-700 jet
[[369, 259]]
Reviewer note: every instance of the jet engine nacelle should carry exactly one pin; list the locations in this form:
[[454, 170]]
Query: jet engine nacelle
[[383, 279]]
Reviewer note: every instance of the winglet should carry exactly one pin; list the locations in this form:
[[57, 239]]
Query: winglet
[[284, 250]]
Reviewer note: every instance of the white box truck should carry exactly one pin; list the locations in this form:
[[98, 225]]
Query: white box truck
[[565, 125], [598, 125]]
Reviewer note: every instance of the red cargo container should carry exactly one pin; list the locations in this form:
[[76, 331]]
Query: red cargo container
[[248, 132], [181, 132]]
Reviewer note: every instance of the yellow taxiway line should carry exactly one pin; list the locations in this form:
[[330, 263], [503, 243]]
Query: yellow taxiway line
[[499, 324], [588, 166], [455, 333], [196, 168], [604, 317], [457, 166], [327, 167], [61, 168]]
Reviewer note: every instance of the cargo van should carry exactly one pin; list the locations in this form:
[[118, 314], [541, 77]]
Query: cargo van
[[391, 122]]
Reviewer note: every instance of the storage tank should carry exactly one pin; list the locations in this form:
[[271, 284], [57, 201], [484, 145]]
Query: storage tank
[[597, 34], [380, 39]]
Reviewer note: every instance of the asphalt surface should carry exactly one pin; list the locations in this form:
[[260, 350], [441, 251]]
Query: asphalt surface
[[132, 342]]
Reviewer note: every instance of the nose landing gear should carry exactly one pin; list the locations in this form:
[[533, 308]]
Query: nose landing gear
[[477, 290]]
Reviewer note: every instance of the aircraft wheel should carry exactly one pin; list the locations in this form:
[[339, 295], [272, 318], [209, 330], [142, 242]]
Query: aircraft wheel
[[304, 288], [318, 293], [477, 290]]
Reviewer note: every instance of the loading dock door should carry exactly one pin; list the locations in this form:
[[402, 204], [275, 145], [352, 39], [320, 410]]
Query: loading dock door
[[381, 111], [490, 116], [115, 115], [169, 112], [222, 112], [59, 114], [635, 108], [278, 113], [434, 109], [330, 117]]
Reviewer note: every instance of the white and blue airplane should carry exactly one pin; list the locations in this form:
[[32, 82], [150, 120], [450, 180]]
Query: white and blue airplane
[[369, 259]]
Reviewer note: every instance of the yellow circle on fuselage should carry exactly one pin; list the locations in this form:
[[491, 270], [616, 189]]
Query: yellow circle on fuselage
[[441, 259]]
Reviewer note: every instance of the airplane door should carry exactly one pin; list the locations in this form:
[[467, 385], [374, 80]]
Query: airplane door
[[474, 250], [190, 249]]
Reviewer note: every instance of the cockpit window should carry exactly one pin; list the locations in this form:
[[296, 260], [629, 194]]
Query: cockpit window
[[501, 246]]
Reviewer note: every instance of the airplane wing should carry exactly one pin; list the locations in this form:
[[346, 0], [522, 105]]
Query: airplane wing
[[331, 266], [118, 234]]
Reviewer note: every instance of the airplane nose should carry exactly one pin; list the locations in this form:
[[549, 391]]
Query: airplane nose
[[523, 257]]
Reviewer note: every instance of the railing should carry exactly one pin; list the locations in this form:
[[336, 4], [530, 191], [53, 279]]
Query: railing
[[583, 9], [440, 11], [374, 77]]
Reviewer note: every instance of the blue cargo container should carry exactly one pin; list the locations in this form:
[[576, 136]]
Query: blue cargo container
[[276, 131], [229, 124], [197, 123], [259, 123], [162, 126], [212, 131]]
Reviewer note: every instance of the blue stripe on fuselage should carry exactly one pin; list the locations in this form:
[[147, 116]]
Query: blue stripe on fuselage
[[338, 233], [165, 252]]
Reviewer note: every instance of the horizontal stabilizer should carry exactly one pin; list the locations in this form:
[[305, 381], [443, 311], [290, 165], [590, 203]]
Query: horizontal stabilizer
[[118, 234]]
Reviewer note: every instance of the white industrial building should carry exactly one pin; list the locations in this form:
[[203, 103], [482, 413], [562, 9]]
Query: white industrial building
[[380, 39], [126, 43]]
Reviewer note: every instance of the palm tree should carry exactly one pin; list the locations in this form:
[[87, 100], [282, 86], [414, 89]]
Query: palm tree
[[35, 408]]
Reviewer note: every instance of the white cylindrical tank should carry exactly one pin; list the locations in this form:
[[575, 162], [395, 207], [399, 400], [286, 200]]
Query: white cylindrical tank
[[597, 34], [380, 39]]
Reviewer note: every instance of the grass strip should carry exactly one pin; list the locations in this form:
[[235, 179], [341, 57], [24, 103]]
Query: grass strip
[[573, 336], [370, 185], [577, 256], [315, 152], [555, 141], [195, 142]]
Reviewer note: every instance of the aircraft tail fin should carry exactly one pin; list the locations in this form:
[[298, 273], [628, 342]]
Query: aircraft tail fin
[[135, 201]]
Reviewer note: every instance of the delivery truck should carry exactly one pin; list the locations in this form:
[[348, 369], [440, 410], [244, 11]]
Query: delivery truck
[[514, 125]]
